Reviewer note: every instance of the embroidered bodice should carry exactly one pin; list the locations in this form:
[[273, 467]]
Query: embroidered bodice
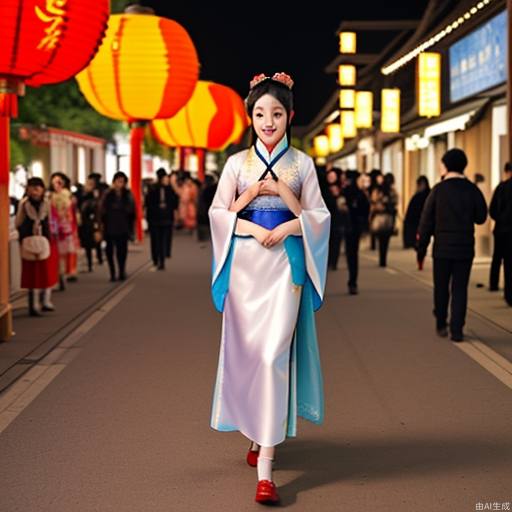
[[286, 169]]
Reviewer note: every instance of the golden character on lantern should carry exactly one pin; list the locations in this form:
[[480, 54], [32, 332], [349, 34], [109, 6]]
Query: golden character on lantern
[[55, 17]]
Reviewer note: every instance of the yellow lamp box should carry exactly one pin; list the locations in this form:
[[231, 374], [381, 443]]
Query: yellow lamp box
[[347, 42], [348, 123], [429, 84], [347, 98], [390, 111], [321, 143], [347, 75], [364, 109], [335, 134]]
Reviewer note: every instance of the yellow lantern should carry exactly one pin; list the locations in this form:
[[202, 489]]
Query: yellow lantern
[[347, 75], [321, 143], [134, 82], [347, 98], [348, 123], [390, 111], [137, 82], [364, 109], [335, 135], [429, 84], [347, 42]]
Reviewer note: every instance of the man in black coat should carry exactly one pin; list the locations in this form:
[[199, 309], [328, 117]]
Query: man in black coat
[[358, 210], [501, 212], [451, 210], [160, 202]]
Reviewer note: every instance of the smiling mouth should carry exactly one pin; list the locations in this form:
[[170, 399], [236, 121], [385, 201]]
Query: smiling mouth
[[269, 132]]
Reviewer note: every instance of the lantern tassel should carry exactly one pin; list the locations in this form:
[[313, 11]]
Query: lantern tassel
[[8, 105]]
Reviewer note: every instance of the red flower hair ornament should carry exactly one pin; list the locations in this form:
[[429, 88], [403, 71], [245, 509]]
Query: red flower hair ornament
[[277, 77]]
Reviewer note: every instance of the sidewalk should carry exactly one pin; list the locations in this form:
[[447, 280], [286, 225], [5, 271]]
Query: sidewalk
[[488, 307], [35, 337]]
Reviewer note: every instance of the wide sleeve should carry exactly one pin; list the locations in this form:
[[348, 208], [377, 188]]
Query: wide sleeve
[[315, 221], [222, 221]]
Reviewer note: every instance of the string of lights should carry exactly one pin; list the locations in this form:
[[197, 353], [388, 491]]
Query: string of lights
[[391, 68]]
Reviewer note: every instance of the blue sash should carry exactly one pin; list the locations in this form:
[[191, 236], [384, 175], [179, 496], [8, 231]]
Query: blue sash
[[267, 219]]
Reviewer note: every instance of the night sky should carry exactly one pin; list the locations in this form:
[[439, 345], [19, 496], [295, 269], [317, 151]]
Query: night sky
[[235, 43]]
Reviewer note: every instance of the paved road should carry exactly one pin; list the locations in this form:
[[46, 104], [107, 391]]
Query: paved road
[[412, 423]]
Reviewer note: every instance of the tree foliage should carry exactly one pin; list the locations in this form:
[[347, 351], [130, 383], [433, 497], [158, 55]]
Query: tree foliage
[[63, 106]]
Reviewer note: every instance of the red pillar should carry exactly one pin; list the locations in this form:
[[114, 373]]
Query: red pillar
[[201, 153], [5, 307], [136, 138]]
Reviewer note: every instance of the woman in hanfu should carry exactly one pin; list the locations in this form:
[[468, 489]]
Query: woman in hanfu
[[270, 236]]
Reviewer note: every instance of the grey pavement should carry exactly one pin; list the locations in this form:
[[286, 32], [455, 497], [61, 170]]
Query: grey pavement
[[34, 337], [412, 423], [490, 319]]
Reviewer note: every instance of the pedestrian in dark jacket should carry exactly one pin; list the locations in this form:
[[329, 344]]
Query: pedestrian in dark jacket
[[160, 202], [413, 213], [358, 209], [89, 229], [451, 211], [336, 232], [501, 212], [118, 217]]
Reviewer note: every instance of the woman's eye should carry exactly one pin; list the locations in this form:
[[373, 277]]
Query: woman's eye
[[278, 114], [259, 115]]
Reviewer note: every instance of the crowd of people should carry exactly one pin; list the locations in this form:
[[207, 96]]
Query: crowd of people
[[359, 204], [362, 203], [54, 223]]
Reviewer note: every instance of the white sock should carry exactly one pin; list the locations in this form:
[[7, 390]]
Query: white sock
[[264, 468], [47, 298]]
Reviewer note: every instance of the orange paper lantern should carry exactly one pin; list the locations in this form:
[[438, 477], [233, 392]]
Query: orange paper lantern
[[212, 119]]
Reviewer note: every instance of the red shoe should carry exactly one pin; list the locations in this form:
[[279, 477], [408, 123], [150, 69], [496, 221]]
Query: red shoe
[[266, 492], [252, 457]]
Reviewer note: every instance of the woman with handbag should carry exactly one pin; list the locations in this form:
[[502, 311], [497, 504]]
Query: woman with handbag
[[38, 271], [382, 215]]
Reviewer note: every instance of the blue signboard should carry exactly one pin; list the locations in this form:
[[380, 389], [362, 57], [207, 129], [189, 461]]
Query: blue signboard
[[478, 61]]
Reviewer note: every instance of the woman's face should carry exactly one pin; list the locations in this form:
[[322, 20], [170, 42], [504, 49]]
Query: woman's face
[[57, 184], [119, 183], [35, 192], [269, 120]]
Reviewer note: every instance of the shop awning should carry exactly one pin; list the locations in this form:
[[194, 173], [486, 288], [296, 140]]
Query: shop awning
[[457, 118]]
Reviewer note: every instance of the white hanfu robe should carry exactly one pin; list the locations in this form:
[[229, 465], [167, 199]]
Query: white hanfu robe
[[269, 369]]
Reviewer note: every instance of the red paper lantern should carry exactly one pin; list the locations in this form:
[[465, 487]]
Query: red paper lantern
[[43, 41], [48, 41]]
